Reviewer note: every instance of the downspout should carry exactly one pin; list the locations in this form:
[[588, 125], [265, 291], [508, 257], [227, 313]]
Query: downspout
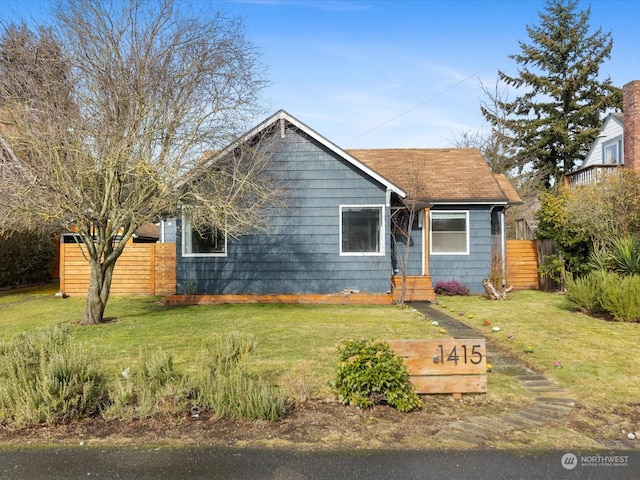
[[503, 242]]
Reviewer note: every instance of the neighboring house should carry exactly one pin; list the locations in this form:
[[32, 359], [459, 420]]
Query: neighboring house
[[617, 145], [336, 237]]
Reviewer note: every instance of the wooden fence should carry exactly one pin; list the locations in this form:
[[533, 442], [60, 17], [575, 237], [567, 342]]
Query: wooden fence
[[143, 269], [522, 264]]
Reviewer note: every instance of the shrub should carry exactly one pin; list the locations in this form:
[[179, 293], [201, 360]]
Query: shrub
[[224, 385], [584, 291], [152, 387], [450, 288], [49, 378], [25, 258], [149, 388], [625, 255], [620, 296], [369, 373], [607, 292]]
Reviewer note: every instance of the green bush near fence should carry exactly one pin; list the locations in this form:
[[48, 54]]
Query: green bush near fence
[[369, 373], [602, 292], [26, 258]]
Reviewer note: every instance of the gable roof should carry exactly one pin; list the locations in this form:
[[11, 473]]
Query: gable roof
[[441, 175], [282, 116], [459, 175], [611, 121]]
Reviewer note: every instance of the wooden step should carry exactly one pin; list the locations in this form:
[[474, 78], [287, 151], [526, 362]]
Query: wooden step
[[419, 289]]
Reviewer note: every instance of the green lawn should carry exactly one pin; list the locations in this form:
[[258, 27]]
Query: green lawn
[[595, 359], [292, 340]]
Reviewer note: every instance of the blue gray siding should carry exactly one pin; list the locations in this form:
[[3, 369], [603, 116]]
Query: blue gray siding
[[300, 253], [467, 269]]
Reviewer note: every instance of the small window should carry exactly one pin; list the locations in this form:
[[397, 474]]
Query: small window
[[611, 152], [362, 230], [449, 233], [211, 242]]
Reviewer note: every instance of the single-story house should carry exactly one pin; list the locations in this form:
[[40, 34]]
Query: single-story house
[[339, 233]]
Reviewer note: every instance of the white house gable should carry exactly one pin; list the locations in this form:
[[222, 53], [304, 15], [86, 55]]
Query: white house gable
[[607, 148]]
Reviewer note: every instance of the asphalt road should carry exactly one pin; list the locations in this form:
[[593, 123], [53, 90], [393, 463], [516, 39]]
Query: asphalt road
[[249, 464]]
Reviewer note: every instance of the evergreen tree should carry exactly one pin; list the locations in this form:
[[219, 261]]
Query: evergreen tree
[[557, 114]]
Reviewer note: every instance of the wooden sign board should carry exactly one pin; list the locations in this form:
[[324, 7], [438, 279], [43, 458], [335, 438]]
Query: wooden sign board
[[445, 366]]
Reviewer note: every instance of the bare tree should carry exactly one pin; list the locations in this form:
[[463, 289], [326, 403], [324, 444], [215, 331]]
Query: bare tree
[[496, 146], [403, 219], [153, 92]]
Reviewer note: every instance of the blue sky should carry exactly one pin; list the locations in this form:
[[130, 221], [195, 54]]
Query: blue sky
[[392, 74]]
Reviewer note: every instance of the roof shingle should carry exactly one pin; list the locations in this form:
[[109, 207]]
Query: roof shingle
[[439, 175]]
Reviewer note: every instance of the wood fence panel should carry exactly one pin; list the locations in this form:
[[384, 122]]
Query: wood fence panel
[[522, 264], [142, 269], [165, 269]]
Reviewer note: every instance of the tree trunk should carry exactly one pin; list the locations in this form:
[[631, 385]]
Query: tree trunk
[[98, 293]]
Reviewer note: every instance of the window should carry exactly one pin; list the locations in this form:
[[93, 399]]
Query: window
[[449, 233], [611, 152], [211, 243], [362, 230]]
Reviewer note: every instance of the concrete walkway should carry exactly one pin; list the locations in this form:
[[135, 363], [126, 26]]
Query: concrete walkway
[[551, 403]]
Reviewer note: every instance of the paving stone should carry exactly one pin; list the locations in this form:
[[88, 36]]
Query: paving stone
[[538, 383], [556, 400], [518, 423], [553, 405], [473, 429], [531, 378], [549, 415], [549, 389], [533, 417], [459, 437], [492, 423], [518, 420]]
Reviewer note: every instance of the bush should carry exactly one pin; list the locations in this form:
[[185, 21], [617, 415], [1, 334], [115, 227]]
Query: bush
[[49, 378], [625, 255], [450, 288], [25, 258], [150, 388], [584, 291], [225, 387], [602, 292], [620, 296], [369, 373]]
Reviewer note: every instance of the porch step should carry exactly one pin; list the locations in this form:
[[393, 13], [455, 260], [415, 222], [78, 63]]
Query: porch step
[[419, 289]]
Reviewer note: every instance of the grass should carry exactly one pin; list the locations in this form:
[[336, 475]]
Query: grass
[[593, 358], [292, 340]]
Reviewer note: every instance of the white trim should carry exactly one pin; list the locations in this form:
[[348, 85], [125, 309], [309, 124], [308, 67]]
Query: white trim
[[280, 116], [468, 229], [185, 224], [381, 232]]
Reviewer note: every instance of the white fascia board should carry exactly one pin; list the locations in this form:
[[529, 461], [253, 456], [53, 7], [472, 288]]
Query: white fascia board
[[282, 115], [334, 148]]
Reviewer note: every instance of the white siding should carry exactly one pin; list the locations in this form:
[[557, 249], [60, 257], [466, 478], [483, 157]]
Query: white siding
[[611, 129]]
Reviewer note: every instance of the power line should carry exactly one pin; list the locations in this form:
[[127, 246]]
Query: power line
[[422, 103]]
